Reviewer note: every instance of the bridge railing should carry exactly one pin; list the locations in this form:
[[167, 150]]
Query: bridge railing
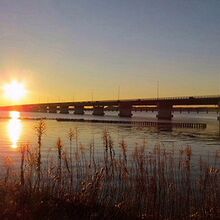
[[169, 98]]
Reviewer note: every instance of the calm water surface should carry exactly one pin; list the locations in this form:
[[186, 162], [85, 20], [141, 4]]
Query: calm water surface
[[15, 132]]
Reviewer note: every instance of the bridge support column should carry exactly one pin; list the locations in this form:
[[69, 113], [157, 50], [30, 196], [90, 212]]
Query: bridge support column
[[64, 109], [218, 118], [52, 109], [125, 110], [42, 109], [98, 110], [79, 110], [164, 111]]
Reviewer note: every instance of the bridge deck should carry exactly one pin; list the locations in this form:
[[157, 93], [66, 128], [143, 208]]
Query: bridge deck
[[177, 101]]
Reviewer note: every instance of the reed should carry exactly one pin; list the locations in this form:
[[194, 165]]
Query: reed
[[143, 183], [40, 130]]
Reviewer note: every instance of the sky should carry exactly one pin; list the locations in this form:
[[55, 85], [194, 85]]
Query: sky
[[71, 50]]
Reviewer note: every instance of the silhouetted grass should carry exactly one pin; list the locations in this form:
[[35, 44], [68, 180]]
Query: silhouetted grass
[[144, 184]]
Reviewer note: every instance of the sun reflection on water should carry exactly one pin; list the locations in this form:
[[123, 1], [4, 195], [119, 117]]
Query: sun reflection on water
[[14, 128]]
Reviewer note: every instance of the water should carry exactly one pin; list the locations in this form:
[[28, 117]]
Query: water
[[15, 132]]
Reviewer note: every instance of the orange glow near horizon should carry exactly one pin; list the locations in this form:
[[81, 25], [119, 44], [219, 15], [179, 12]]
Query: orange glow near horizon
[[14, 91], [14, 128]]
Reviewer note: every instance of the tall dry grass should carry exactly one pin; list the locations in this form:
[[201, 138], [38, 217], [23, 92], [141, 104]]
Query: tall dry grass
[[146, 184]]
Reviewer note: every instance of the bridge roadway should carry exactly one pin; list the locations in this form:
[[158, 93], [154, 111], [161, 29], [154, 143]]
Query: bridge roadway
[[165, 106]]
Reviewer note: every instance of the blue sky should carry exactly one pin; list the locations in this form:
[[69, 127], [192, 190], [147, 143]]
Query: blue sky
[[65, 49]]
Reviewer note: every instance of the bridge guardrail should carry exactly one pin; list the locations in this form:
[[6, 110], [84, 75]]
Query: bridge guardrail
[[126, 100]]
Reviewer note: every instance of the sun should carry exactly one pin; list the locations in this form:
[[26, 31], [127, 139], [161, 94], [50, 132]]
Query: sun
[[15, 91]]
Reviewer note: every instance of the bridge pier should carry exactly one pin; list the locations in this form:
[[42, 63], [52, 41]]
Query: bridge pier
[[125, 110], [218, 118], [43, 109], [164, 111], [98, 110], [79, 110], [52, 109], [64, 109]]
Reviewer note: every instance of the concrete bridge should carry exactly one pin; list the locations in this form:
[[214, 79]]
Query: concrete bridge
[[164, 106]]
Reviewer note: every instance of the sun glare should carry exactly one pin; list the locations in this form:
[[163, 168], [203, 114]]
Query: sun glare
[[14, 91], [14, 128], [14, 115]]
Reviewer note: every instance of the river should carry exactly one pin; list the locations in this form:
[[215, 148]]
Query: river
[[15, 132]]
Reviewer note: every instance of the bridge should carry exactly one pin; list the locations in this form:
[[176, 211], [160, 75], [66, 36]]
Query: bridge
[[164, 106]]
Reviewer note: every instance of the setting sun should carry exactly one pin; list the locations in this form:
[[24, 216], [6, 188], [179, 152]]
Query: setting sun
[[14, 91]]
